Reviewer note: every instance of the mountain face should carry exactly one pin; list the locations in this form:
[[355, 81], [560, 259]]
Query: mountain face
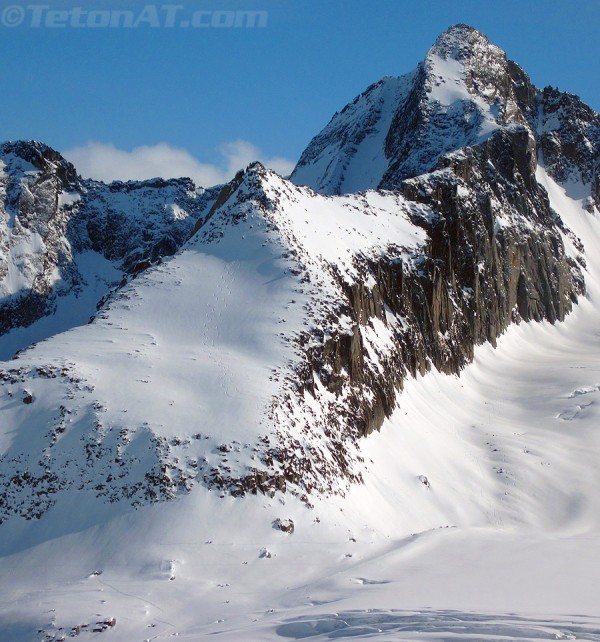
[[285, 320], [54, 224], [459, 96]]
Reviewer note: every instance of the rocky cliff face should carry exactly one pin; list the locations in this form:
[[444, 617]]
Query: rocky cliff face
[[33, 229], [463, 93], [494, 255], [464, 138], [568, 135]]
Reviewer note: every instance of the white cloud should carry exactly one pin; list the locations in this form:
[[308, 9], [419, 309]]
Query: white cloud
[[105, 162]]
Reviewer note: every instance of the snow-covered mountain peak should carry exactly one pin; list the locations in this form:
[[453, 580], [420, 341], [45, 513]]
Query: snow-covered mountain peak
[[463, 91], [460, 42], [463, 61], [258, 182], [244, 339]]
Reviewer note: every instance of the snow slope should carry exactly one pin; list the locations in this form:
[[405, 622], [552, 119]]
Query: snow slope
[[73, 308], [477, 518], [185, 376]]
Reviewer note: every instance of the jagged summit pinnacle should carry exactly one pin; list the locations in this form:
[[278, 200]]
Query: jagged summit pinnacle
[[459, 42], [256, 166], [27, 146], [463, 55]]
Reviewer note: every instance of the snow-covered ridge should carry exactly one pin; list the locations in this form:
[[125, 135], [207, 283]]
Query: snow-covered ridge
[[456, 487], [366, 289], [212, 400], [281, 333], [346, 156]]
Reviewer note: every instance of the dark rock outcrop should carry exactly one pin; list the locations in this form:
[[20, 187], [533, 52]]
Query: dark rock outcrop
[[569, 139]]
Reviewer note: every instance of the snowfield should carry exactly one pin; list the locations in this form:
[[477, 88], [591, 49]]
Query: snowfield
[[478, 518]]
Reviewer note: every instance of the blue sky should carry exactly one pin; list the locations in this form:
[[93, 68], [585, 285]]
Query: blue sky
[[219, 96]]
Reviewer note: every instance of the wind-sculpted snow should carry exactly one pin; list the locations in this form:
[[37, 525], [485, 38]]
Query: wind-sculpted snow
[[434, 625]]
